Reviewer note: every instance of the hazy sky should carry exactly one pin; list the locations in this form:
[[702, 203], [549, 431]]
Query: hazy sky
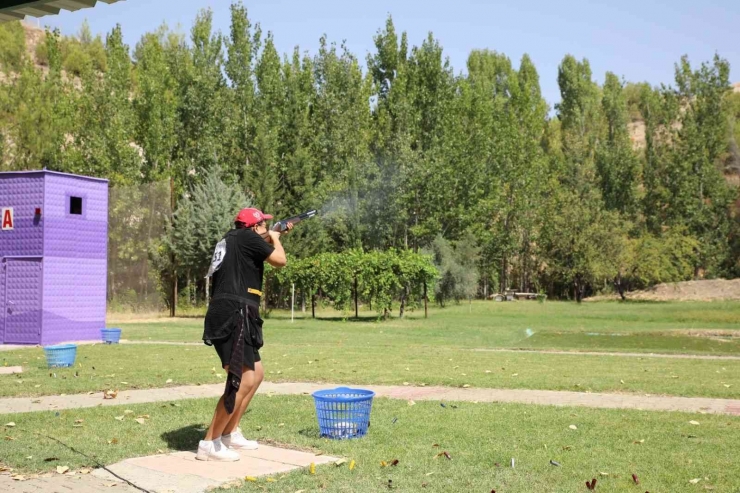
[[638, 40]]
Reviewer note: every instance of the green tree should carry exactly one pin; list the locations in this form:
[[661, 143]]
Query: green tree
[[687, 129], [12, 46], [617, 164], [340, 117], [156, 105]]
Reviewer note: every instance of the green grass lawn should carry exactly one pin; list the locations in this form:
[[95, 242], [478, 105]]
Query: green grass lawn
[[477, 437], [602, 326], [441, 350], [103, 367]]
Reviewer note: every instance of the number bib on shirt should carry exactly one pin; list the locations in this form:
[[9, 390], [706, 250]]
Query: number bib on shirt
[[218, 257]]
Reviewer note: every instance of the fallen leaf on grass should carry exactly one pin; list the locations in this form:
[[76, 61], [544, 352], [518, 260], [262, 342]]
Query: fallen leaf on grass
[[128, 411], [18, 477], [62, 469], [271, 480], [412, 403], [466, 386], [113, 441], [50, 459], [639, 441], [340, 462], [145, 416], [604, 473], [573, 427], [169, 380], [405, 383], [9, 425], [110, 395], [693, 422], [383, 463], [9, 438], [555, 463], [592, 484], [635, 479], [119, 418], [695, 480], [78, 421], [141, 421], [394, 462]]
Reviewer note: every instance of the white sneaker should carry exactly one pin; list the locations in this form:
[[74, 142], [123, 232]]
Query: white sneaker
[[215, 450], [237, 441]]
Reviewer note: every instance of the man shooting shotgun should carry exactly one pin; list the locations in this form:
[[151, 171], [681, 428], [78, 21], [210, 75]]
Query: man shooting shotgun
[[233, 325]]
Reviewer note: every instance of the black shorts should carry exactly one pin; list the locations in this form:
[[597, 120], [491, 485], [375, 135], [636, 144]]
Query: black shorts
[[224, 346]]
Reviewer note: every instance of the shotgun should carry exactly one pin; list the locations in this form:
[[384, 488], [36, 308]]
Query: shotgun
[[282, 225]]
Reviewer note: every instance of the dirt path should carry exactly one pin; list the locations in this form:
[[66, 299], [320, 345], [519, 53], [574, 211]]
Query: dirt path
[[523, 396]]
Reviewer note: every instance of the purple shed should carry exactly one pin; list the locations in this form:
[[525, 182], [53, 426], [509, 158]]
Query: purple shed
[[53, 257]]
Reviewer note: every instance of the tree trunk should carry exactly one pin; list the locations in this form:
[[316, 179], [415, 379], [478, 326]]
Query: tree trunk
[[357, 312], [303, 301], [426, 313], [173, 305], [504, 268], [313, 305], [620, 287], [403, 301]]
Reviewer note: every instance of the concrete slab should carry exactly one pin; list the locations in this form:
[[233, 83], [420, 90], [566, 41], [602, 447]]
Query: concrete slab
[[10, 370], [180, 472], [59, 483]]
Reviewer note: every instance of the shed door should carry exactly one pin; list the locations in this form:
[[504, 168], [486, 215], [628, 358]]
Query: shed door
[[23, 301], [2, 300]]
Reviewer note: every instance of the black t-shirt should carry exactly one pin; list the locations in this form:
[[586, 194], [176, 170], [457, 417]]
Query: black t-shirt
[[252, 250], [243, 267]]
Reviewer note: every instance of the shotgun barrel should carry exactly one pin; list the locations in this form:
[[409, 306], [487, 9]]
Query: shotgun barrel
[[282, 225]]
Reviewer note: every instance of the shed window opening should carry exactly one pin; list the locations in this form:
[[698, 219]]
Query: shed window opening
[[75, 205]]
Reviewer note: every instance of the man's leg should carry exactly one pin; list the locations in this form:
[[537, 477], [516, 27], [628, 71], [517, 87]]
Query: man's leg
[[246, 392], [221, 417]]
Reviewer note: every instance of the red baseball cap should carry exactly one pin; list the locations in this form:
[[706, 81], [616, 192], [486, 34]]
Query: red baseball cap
[[251, 216]]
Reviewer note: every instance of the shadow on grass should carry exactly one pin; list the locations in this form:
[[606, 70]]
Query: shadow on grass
[[185, 438]]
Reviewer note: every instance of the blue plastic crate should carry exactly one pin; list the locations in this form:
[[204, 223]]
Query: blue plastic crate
[[62, 355], [343, 412], [111, 336]]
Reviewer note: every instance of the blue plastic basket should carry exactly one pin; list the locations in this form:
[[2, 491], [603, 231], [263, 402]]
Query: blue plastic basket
[[111, 336], [343, 412], [61, 355]]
